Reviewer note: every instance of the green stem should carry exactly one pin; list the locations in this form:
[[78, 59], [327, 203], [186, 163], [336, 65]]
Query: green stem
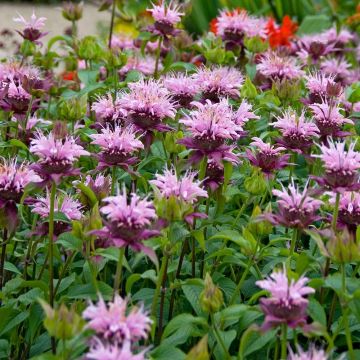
[[158, 286], [284, 342], [336, 212], [113, 180], [158, 51], [51, 254], [219, 338], [294, 240], [68, 261], [240, 212], [119, 271], [111, 23], [3, 258]]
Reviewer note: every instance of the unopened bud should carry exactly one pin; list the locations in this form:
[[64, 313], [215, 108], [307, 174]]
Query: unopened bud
[[211, 298]]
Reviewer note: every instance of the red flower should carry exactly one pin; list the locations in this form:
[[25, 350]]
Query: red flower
[[281, 35], [69, 75], [213, 25]]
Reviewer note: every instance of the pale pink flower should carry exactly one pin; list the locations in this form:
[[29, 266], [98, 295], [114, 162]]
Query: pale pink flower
[[244, 113], [101, 185], [313, 47], [107, 110], [234, 25], [145, 65], [339, 38], [121, 42], [56, 156], [148, 103], [341, 166], [297, 132], [296, 208], [311, 354], [322, 86], [32, 29], [14, 97], [219, 82], [182, 87], [70, 207], [185, 189], [112, 322], [338, 67], [328, 118], [118, 144], [287, 304], [276, 67]]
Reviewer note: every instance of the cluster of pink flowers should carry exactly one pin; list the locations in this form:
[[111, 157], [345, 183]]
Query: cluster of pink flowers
[[116, 330]]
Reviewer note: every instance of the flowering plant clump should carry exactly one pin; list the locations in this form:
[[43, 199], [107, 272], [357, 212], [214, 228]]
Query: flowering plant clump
[[179, 186]]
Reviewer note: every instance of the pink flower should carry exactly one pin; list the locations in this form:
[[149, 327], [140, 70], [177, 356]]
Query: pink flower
[[328, 118], [210, 125], [56, 156], [107, 110], [244, 113], [166, 16], [32, 30], [101, 185], [297, 132], [219, 82], [117, 145], [311, 354], [338, 67], [14, 178], [313, 47], [65, 204], [287, 304], [267, 157], [121, 42], [349, 208], [276, 67], [14, 97], [341, 166], [104, 351], [234, 25], [296, 209], [185, 189], [182, 87], [339, 38], [111, 321], [322, 86], [128, 223], [145, 65], [148, 104]]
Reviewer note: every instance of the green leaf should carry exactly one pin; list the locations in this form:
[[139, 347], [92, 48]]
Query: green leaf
[[89, 292], [316, 311], [8, 266], [131, 280], [314, 24], [256, 342], [14, 321], [188, 67], [88, 77], [19, 144], [70, 242], [192, 289], [199, 236], [166, 352]]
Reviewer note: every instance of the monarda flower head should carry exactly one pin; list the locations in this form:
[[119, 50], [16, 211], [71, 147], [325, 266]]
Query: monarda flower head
[[311, 354], [338, 67], [166, 17], [13, 180], [211, 125], [234, 25], [244, 113], [313, 48], [145, 65], [341, 166], [176, 195], [56, 156], [277, 68], [14, 98], [297, 132], [127, 223], [218, 82], [287, 304], [349, 209], [322, 86], [182, 87], [266, 156], [32, 29], [113, 322], [148, 103], [107, 110], [296, 209], [118, 145], [336, 37], [328, 118]]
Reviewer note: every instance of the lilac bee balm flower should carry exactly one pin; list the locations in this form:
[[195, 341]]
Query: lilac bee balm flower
[[287, 304], [32, 29], [311, 354]]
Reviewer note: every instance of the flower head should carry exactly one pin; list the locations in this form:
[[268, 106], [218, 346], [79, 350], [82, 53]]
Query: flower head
[[338, 38], [313, 47], [148, 103], [267, 157], [101, 185], [56, 156], [108, 111], [349, 208], [182, 87], [244, 113], [113, 322], [276, 67], [14, 97], [297, 209], [341, 166], [311, 354], [287, 304], [328, 118], [322, 86], [338, 67], [297, 132], [166, 16], [145, 65], [117, 145], [32, 29], [219, 82]]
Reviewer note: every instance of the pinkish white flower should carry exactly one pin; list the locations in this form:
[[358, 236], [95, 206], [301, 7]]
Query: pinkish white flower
[[336, 37], [311, 354], [297, 132], [287, 304], [313, 47], [14, 97], [107, 110], [244, 113], [219, 82], [32, 29], [322, 86], [276, 67], [328, 118], [338, 67], [185, 189], [121, 42], [101, 185], [145, 65]]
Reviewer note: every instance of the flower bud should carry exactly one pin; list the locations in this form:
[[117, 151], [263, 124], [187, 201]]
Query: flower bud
[[259, 228], [255, 184], [89, 48], [72, 11], [199, 351], [255, 44], [211, 298]]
